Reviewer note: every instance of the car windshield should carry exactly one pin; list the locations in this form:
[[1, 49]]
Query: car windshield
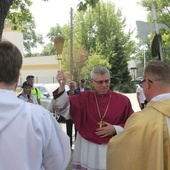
[[53, 87], [139, 78]]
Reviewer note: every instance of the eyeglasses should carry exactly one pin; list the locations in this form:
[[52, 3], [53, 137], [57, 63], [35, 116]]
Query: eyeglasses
[[102, 81], [145, 80]]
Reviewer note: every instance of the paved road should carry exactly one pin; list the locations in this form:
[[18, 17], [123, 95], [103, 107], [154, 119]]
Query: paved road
[[63, 125], [135, 106], [133, 99]]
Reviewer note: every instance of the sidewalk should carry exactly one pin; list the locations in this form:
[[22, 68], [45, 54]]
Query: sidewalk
[[63, 125], [135, 106], [134, 102]]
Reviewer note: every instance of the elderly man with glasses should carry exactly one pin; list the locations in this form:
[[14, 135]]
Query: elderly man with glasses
[[99, 115], [145, 142]]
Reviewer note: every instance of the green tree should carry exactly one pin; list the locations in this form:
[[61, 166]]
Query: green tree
[[22, 20], [84, 4], [142, 50], [101, 30], [80, 55], [6, 7], [93, 61], [49, 48], [98, 33], [79, 52], [31, 39]]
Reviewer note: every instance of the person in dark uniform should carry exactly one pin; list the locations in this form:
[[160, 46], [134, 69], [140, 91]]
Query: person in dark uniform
[[82, 87]]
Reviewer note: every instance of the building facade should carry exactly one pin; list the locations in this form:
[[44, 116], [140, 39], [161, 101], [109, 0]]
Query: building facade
[[43, 68]]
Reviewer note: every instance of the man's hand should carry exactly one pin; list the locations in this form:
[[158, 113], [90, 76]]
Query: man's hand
[[62, 80], [107, 130], [30, 100], [71, 92]]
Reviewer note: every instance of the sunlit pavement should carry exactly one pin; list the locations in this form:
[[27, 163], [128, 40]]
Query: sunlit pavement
[[134, 102], [135, 106]]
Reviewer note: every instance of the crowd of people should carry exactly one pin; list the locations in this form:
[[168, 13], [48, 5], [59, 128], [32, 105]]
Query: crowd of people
[[109, 135], [26, 94], [29, 93]]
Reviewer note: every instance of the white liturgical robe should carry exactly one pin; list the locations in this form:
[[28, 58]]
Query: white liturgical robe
[[30, 137]]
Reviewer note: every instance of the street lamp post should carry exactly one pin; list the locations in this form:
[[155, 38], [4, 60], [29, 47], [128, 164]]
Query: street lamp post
[[144, 57], [71, 43], [134, 72]]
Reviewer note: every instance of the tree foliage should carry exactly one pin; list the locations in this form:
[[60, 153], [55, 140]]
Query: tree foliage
[[101, 31], [49, 49], [17, 12], [98, 32], [22, 20], [80, 56], [99, 39], [19, 15], [94, 60], [84, 4], [6, 7]]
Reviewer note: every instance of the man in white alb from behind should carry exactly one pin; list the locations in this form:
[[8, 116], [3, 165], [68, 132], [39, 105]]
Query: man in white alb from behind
[[30, 137]]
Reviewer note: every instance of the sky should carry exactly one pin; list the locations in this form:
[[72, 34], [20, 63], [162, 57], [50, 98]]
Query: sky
[[48, 14]]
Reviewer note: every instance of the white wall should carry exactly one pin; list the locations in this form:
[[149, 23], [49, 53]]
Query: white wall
[[15, 37]]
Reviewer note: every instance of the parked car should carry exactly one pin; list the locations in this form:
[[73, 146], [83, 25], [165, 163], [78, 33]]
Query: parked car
[[46, 92], [137, 80], [18, 90]]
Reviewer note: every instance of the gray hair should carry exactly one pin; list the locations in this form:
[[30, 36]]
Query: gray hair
[[99, 70], [72, 82]]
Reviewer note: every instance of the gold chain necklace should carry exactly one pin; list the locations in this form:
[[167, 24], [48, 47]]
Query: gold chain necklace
[[101, 123]]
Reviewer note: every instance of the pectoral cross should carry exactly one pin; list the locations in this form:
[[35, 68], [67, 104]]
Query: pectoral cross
[[101, 123]]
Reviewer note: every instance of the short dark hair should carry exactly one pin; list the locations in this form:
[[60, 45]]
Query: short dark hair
[[82, 81], [10, 62], [25, 84], [29, 77]]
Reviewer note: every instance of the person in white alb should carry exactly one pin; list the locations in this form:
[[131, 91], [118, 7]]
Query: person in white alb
[[30, 137]]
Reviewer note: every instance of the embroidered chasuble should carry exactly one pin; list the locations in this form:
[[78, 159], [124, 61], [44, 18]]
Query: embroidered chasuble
[[85, 114], [145, 143]]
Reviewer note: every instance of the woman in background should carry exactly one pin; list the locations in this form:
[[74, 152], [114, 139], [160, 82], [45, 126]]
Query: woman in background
[[26, 94]]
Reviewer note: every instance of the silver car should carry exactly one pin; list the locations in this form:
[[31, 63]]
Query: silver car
[[46, 92]]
